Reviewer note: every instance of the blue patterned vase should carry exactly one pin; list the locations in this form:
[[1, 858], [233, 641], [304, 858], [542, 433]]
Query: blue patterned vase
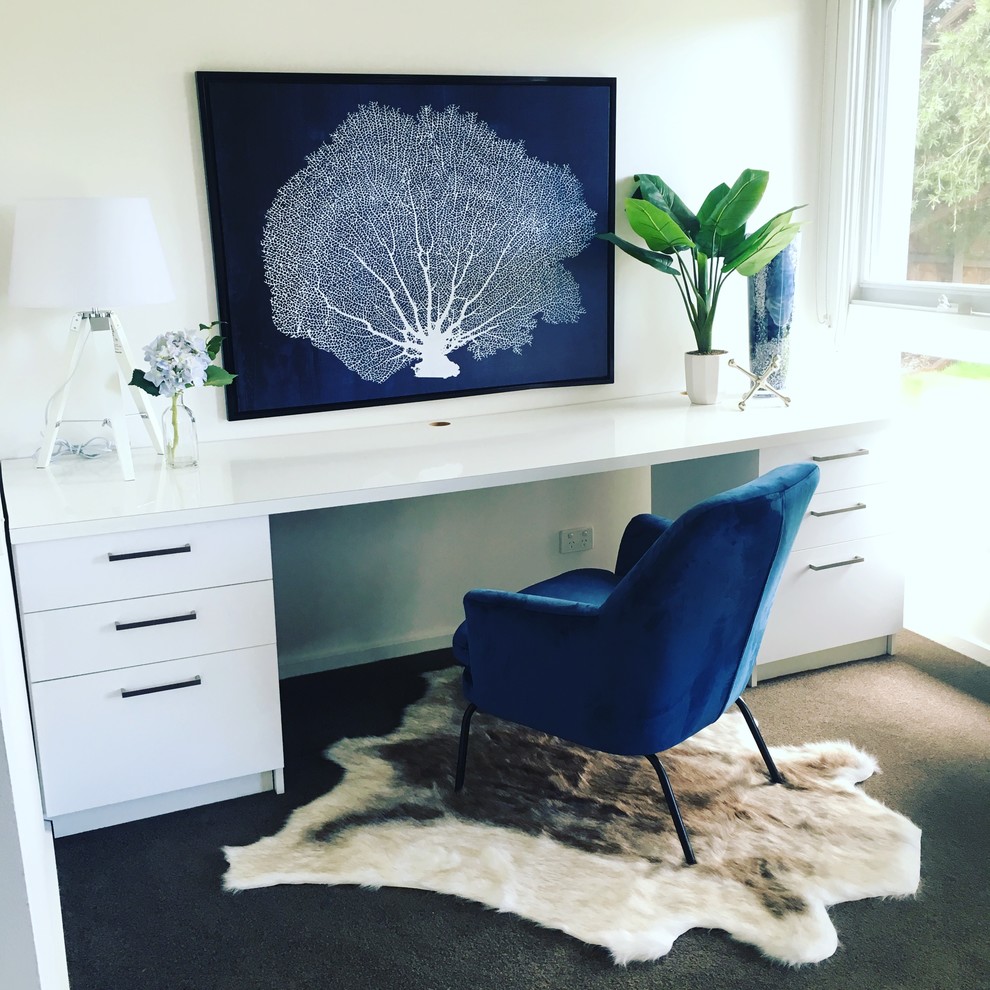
[[771, 308]]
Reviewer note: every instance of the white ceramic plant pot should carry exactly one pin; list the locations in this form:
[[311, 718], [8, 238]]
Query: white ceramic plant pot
[[701, 376]]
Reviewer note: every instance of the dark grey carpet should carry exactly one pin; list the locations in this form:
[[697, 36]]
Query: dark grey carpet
[[144, 910]]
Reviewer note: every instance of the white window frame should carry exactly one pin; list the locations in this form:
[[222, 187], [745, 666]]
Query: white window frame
[[855, 146]]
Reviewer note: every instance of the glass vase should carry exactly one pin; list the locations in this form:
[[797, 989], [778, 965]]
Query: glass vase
[[179, 434], [771, 309]]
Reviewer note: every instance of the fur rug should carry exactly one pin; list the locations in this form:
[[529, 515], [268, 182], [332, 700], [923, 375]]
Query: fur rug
[[582, 842]]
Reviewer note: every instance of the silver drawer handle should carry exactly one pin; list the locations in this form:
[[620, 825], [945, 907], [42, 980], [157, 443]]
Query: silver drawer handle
[[838, 563], [164, 552], [161, 687], [835, 512], [838, 457], [164, 621]]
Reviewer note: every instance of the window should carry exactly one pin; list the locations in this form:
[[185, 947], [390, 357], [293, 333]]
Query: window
[[926, 217], [908, 201]]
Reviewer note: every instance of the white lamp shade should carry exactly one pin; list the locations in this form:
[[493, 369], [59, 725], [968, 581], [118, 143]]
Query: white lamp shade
[[87, 254]]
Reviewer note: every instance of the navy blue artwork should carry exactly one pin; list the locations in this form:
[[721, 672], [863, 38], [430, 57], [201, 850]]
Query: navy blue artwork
[[384, 239]]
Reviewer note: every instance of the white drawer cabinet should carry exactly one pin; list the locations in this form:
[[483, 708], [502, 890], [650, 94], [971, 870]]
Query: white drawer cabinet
[[833, 596], [844, 462], [847, 514], [843, 583], [125, 734], [89, 569], [83, 640], [152, 669]]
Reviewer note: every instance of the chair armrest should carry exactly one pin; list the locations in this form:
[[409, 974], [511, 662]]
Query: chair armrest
[[641, 533], [511, 635], [527, 656]]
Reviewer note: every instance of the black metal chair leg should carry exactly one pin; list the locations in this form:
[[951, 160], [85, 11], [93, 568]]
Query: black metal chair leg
[[675, 812], [463, 747], [776, 777]]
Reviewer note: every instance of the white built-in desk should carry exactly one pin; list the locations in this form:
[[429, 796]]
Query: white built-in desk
[[150, 636], [267, 475]]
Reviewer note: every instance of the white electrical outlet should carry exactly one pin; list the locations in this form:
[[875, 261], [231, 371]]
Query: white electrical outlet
[[578, 538]]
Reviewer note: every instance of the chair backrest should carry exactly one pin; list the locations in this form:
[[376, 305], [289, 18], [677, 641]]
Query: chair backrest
[[693, 609]]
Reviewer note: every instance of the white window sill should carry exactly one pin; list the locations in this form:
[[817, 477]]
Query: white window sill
[[921, 330]]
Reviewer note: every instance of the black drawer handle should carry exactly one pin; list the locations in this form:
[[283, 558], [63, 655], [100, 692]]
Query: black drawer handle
[[838, 457], [164, 621], [838, 563], [835, 512], [164, 552], [162, 687]]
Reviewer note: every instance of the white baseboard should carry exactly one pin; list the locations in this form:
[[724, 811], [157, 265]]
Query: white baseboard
[[314, 663], [161, 804], [821, 658], [971, 648]]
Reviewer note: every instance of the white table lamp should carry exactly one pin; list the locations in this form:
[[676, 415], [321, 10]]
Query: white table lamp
[[91, 255]]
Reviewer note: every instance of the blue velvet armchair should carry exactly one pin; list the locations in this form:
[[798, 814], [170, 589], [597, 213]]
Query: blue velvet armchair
[[634, 661]]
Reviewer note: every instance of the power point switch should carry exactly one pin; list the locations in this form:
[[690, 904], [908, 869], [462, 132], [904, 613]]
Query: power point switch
[[578, 538]]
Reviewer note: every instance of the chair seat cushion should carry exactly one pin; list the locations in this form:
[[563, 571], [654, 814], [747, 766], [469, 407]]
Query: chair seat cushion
[[588, 585]]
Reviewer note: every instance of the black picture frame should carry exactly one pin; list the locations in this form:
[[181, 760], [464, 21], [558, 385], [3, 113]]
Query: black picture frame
[[395, 238]]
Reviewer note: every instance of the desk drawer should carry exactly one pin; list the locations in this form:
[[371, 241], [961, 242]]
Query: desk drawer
[[835, 595], [847, 514], [845, 462], [90, 569], [70, 641], [98, 747]]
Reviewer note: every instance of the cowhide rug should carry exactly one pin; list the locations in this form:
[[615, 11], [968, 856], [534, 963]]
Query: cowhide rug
[[582, 842]]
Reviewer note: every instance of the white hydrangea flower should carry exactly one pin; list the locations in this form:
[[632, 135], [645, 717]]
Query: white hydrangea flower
[[176, 360]]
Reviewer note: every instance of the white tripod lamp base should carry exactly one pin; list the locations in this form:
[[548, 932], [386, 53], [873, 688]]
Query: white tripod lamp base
[[108, 335]]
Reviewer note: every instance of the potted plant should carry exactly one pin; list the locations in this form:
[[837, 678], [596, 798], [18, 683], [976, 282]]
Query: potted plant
[[701, 250]]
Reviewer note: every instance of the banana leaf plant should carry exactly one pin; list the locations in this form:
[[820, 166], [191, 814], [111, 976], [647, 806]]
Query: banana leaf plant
[[702, 249]]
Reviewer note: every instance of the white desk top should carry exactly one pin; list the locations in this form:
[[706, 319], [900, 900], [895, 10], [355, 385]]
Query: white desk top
[[267, 475]]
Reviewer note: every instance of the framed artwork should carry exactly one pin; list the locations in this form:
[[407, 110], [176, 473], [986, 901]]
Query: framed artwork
[[384, 238]]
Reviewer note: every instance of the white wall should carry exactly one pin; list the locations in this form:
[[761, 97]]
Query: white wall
[[341, 599], [99, 100], [946, 565]]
